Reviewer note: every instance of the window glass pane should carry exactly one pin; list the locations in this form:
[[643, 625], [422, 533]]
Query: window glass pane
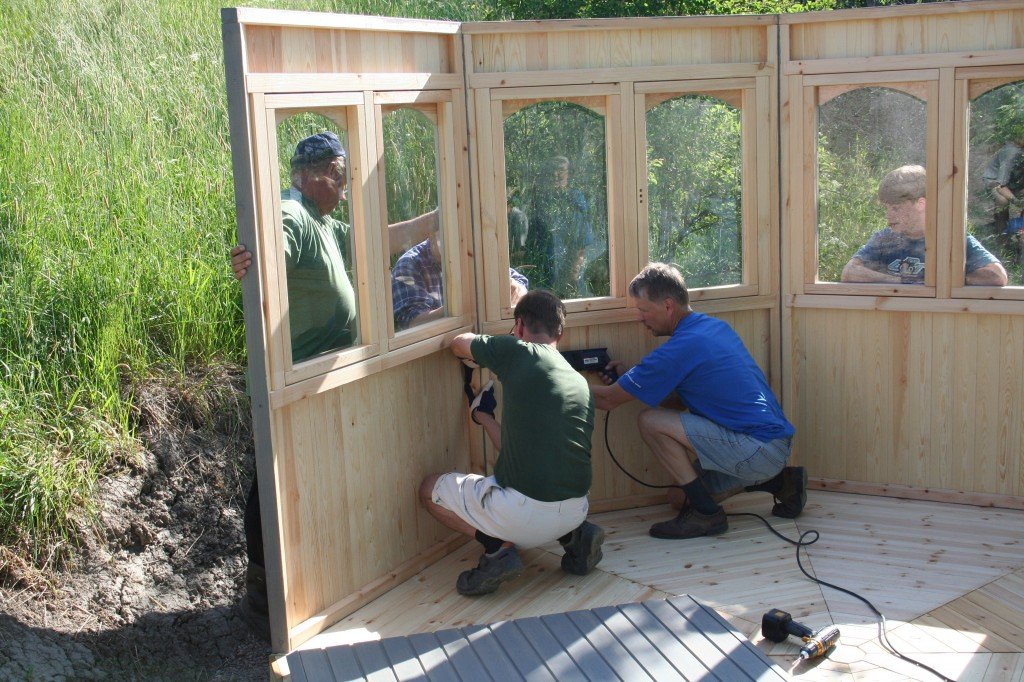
[[410, 180], [557, 206], [995, 185], [316, 235], [871, 220], [694, 164]]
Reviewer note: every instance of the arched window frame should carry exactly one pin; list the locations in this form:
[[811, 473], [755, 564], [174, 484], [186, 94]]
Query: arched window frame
[[750, 97], [819, 89], [971, 83]]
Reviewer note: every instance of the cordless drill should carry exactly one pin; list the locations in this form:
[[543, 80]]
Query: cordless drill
[[776, 625]]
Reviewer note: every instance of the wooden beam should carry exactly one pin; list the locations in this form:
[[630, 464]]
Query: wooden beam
[[903, 62], [911, 493], [275, 17], [906, 304], [616, 74], [350, 82]]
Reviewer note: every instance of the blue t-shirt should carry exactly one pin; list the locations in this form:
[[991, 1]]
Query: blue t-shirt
[[892, 252], [706, 363]]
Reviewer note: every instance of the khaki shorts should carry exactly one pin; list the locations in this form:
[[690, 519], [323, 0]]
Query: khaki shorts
[[505, 513]]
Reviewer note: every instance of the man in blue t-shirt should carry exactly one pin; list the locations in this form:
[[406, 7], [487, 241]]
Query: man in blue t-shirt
[[897, 254], [724, 430]]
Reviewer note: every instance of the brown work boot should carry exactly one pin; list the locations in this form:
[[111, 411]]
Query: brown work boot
[[690, 523]]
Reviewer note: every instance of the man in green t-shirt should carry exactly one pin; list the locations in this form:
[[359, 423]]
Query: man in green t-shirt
[[538, 492]]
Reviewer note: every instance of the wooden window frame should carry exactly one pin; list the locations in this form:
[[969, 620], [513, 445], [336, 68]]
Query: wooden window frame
[[344, 109], [498, 102], [749, 95], [971, 83], [437, 105], [811, 91]]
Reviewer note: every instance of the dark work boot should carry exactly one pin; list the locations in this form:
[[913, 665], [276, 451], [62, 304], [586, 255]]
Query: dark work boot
[[789, 488], [791, 495], [583, 550], [690, 523], [490, 573]]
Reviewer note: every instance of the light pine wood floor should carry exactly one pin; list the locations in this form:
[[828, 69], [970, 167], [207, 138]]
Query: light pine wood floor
[[949, 579]]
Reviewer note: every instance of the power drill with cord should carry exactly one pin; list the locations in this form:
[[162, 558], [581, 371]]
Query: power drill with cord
[[776, 625]]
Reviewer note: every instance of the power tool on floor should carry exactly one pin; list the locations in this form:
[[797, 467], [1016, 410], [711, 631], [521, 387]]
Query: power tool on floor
[[776, 625]]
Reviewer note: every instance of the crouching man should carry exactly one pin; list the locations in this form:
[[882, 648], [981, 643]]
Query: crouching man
[[732, 437], [538, 492]]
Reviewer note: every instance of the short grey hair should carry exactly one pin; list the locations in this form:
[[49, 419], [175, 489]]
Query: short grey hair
[[658, 281]]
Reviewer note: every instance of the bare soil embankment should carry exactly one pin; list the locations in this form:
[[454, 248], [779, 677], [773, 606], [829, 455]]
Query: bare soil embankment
[[151, 593]]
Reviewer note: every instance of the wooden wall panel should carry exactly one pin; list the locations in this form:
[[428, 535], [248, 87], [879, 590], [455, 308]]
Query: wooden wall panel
[[957, 31], [927, 400], [562, 50], [927, 397], [289, 49], [357, 455]]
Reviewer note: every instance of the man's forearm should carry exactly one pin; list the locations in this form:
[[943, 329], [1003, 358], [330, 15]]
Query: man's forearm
[[426, 316], [492, 428], [403, 234], [609, 397], [993, 275], [857, 272]]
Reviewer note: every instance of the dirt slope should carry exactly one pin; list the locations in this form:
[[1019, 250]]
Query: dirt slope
[[151, 594]]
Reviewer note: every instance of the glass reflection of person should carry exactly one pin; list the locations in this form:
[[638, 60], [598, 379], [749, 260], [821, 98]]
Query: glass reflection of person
[[417, 284], [896, 254], [560, 229], [1004, 179], [321, 300]]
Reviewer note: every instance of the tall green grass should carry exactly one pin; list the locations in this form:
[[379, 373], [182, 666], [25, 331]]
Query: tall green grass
[[116, 215]]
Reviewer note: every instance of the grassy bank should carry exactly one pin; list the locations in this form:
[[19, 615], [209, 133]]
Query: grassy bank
[[116, 214]]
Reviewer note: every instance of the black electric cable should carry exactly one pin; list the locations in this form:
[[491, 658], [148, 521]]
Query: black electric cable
[[883, 637]]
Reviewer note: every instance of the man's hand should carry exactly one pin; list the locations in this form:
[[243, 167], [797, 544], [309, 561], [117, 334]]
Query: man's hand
[[1002, 194], [484, 402], [612, 371], [241, 261]]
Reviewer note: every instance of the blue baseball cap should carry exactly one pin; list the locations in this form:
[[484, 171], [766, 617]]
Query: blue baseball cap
[[316, 148]]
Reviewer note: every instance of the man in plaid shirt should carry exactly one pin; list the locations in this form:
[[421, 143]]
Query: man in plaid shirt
[[417, 285]]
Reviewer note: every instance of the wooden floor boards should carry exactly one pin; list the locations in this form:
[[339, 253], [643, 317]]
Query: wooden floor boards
[[949, 578]]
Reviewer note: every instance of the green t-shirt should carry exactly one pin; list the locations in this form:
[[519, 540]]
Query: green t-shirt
[[321, 301], [547, 419]]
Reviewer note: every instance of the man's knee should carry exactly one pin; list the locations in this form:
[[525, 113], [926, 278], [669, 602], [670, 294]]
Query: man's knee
[[645, 420], [427, 490], [658, 420]]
